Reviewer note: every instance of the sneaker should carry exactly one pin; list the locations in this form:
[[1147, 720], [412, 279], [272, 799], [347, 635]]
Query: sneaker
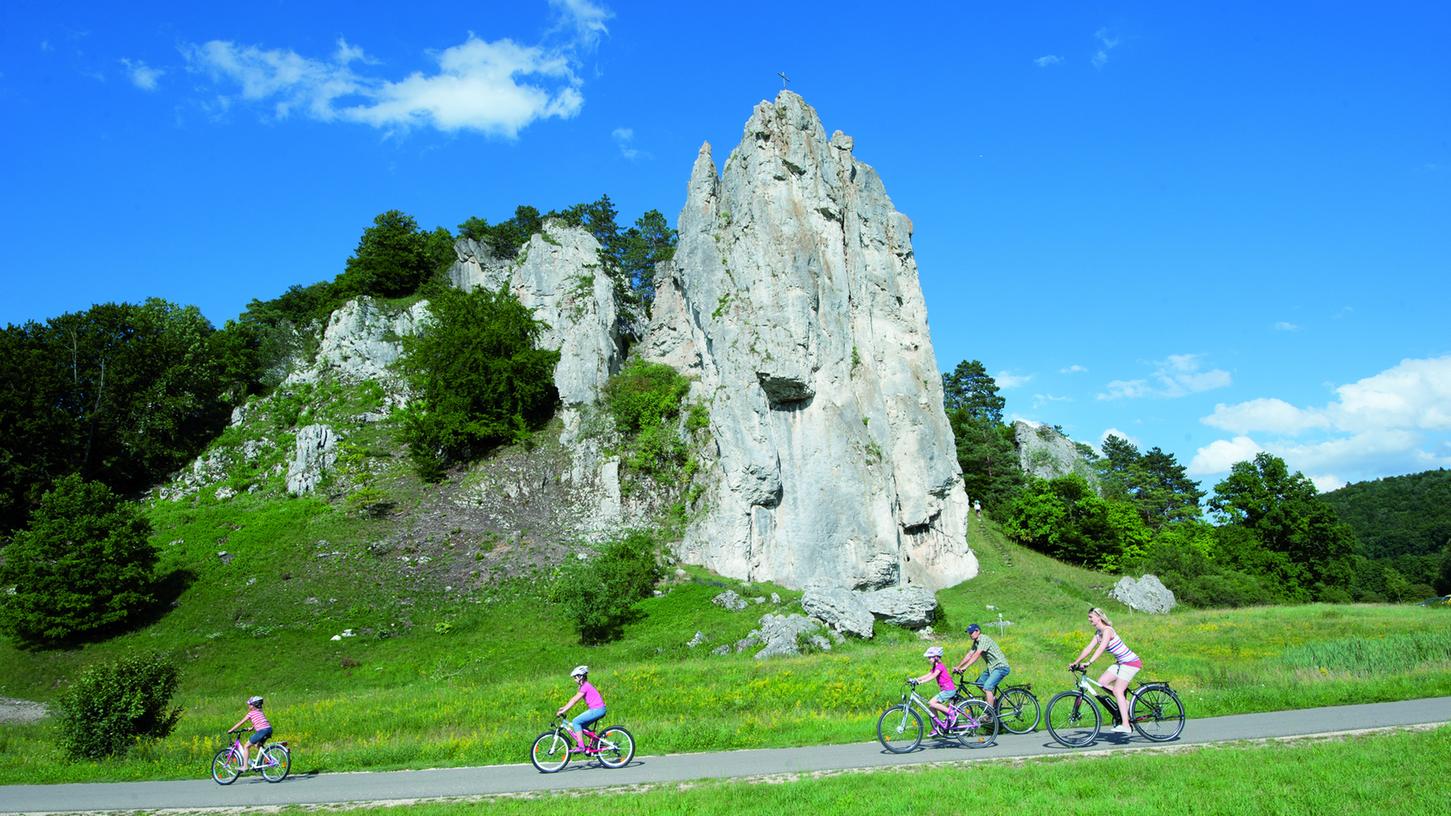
[[1122, 729]]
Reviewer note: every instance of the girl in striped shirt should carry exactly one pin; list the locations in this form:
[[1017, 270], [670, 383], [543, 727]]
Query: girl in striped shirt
[[1126, 664]]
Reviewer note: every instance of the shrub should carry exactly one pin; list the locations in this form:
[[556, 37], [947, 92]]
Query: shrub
[[479, 378], [645, 400], [114, 704], [599, 594], [83, 565]]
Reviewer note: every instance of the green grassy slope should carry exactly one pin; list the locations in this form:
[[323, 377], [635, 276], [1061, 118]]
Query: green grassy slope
[[445, 671]]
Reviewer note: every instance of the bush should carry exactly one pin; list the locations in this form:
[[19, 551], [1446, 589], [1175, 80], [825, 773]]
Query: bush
[[599, 594], [645, 400], [84, 565], [114, 704], [478, 376]]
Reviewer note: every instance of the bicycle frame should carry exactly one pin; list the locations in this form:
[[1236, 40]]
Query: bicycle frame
[[910, 696], [593, 743]]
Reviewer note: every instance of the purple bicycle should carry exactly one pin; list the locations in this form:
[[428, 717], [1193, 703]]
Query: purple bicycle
[[612, 747], [274, 761]]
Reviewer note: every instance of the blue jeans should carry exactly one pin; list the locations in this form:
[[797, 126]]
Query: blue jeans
[[589, 717], [258, 737], [990, 678]]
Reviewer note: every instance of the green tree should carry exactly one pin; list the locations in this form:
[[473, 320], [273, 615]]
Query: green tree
[[478, 377], [985, 449], [84, 565], [1066, 519], [1284, 514], [392, 258], [641, 249], [971, 389], [121, 393]]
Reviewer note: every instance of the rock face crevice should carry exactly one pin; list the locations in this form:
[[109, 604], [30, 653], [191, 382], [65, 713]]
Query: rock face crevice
[[793, 298]]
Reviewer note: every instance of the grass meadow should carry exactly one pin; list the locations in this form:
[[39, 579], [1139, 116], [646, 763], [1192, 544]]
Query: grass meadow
[[1385, 773], [434, 678]]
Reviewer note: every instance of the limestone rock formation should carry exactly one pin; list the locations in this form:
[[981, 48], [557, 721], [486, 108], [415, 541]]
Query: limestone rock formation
[[558, 277], [912, 607], [1148, 594], [317, 450], [793, 298], [837, 607], [780, 634], [1047, 454], [361, 342]]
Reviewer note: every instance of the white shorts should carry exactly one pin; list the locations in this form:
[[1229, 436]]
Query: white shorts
[[1124, 671]]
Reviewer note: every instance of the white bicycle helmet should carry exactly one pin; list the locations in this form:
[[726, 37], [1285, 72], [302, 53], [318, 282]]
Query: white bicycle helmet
[[254, 700], [932, 651], [579, 671]]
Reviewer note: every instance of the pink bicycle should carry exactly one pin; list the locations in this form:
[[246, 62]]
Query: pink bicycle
[[274, 761], [613, 747]]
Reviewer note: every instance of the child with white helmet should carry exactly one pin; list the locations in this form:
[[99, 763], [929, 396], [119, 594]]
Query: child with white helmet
[[946, 688], [261, 730], [594, 704]]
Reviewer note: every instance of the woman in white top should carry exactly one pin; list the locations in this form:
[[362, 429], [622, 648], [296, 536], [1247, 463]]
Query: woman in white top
[[1116, 677]]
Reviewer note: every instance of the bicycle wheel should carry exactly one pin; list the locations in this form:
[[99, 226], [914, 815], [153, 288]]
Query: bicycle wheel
[[617, 747], [1018, 711], [1073, 719], [550, 752], [226, 766], [276, 763], [977, 724], [900, 729], [1156, 713]]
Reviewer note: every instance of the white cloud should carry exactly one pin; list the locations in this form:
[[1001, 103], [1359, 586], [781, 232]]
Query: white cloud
[[1040, 400], [1106, 43], [1047, 60], [1274, 415], [496, 87], [142, 75], [1391, 422], [1218, 456], [1326, 482], [1073, 369], [1007, 379], [583, 19], [1412, 394], [1177, 375], [1286, 326], [625, 139]]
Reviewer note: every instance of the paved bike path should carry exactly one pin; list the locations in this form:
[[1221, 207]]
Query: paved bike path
[[252, 791]]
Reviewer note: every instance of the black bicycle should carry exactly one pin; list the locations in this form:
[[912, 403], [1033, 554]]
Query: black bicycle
[[1155, 711], [1016, 706]]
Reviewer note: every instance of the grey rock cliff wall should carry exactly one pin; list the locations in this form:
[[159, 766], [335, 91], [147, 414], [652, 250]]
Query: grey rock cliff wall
[[794, 299]]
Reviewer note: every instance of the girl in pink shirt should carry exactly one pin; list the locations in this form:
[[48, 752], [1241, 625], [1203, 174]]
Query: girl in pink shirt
[[946, 688], [593, 702], [261, 729]]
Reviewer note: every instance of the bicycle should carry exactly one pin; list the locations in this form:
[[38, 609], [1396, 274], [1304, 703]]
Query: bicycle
[[274, 760], [613, 746], [974, 725], [1155, 711], [1016, 705]]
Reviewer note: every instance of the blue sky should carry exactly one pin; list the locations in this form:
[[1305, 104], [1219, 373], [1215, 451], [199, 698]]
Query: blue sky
[[1214, 228]]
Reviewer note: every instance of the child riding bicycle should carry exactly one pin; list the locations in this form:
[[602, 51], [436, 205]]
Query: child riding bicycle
[[261, 730], [594, 705], [947, 688]]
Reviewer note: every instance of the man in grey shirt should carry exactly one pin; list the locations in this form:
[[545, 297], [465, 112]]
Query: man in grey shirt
[[995, 664]]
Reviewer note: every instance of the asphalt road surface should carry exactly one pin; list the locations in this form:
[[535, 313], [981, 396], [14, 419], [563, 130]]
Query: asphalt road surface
[[252, 791]]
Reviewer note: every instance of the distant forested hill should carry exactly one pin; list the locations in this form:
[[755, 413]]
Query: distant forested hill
[[1405, 520]]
